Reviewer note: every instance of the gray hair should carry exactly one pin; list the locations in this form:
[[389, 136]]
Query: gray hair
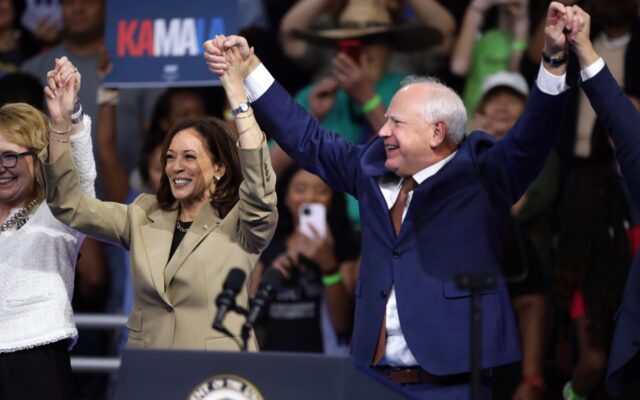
[[442, 104]]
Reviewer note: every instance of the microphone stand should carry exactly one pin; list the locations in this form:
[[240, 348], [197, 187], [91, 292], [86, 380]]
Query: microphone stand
[[476, 282], [245, 336], [245, 333]]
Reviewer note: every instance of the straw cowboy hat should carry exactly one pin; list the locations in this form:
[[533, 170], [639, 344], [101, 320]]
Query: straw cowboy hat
[[369, 21]]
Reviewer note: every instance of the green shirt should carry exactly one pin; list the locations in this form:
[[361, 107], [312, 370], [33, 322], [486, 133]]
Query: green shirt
[[345, 117], [491, 54]]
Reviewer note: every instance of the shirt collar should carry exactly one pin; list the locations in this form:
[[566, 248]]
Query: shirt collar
[[431, 170]]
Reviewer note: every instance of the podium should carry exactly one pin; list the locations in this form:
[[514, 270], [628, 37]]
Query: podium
[[183, 374]]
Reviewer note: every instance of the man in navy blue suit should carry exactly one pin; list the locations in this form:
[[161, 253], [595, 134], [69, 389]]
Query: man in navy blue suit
[[432, 203], [622, 123]]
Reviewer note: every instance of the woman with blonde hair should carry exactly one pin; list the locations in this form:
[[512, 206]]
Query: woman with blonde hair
[[37, 253]]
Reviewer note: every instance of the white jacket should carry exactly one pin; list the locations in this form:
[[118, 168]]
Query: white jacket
[[37, 266]]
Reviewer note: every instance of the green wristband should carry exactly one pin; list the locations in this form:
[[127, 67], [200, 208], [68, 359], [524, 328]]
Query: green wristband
[[570, 394], [371, 104], [332, 279], [519, 45]]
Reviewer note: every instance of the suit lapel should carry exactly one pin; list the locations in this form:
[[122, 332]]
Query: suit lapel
[[206, 221], [373, 160], [157, 237]]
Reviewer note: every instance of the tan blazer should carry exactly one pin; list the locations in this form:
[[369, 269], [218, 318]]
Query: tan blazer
[[174, 300]]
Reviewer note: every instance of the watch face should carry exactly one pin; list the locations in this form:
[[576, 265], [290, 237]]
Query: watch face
[[243, 107]]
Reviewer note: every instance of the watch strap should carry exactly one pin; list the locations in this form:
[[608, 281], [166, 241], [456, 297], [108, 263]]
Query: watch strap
[[555, 61]]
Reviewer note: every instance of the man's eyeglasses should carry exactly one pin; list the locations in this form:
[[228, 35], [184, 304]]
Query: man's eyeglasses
[[9, 159]]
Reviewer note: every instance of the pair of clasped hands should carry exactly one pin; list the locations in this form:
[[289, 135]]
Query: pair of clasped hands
[[61, 93], [231, 59], [567, 26]]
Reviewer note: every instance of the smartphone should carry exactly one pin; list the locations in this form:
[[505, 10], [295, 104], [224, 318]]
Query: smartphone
[[313, 214], [352, 48]]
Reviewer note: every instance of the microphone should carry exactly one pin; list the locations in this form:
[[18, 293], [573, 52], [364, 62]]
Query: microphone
[[226, 300], [269, 284]]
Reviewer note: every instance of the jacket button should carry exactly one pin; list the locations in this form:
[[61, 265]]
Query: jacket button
[[396, 254], [383, 294], [168, 308]]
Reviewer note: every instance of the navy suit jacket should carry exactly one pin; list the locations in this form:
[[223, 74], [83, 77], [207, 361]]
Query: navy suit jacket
[[622, 122], [453, 224]]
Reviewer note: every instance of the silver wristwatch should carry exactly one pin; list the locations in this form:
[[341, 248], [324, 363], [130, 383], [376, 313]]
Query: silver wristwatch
[[243, 107]]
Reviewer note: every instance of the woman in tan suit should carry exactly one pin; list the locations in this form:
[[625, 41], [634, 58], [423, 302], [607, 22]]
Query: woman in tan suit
[[215, 210]]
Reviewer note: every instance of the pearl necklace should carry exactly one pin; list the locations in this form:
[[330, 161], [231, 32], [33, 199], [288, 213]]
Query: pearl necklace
[[19, 218]]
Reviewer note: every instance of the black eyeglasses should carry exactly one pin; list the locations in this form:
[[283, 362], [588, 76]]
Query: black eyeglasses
[[9, 159]]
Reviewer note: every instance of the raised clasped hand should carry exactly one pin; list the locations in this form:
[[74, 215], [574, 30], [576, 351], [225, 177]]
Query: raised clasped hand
[[579, 35], [237, 67], [61, 92], [565, 26], [215, 52]]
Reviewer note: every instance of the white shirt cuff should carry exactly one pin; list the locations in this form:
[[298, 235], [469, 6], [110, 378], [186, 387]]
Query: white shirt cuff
[[257, 82], [550, 83], [592, 70]]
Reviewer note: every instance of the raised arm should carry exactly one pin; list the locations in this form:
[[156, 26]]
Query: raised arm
[[61, 96], [462, 53], [536, 41], [618, 113], [516, 22], [257, 205], [319, 151], [61, 93], [82, 152], [249, 134], [523, 150], [65, 195], [518, 12]]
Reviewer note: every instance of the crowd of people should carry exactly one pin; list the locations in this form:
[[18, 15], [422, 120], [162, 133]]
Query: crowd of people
[[429, 139]]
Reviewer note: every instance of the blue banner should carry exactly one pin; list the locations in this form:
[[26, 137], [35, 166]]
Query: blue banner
[[156, 43]]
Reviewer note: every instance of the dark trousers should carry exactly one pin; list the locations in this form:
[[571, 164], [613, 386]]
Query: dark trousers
[[43, 372], [429, 391]]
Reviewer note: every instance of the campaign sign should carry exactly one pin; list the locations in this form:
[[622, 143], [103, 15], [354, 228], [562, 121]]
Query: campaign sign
[[159, 43]]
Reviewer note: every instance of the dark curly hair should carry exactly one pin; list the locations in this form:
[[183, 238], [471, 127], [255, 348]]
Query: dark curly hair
[[593, 249], [222, 145]]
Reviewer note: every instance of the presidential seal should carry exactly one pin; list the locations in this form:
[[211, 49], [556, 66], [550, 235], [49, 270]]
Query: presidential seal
[[225, 387]]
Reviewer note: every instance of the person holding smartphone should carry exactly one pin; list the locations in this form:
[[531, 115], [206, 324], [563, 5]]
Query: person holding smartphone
[[315, 249]]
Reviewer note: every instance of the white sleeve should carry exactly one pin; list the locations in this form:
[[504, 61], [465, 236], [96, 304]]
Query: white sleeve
[[82, 151], [257, 82], [592, 70], [550, 83]]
